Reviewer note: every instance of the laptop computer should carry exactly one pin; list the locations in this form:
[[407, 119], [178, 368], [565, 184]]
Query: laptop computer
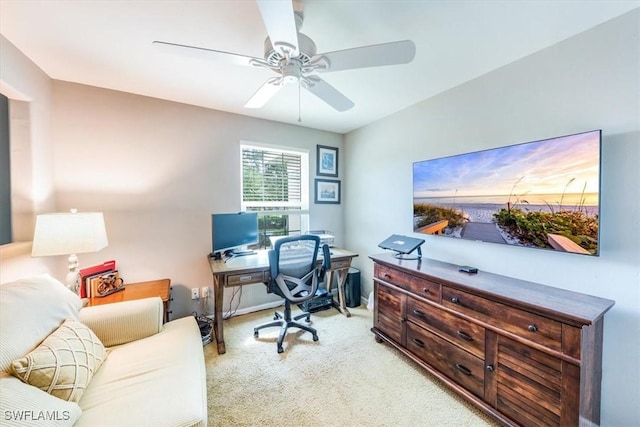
[[401, 244]]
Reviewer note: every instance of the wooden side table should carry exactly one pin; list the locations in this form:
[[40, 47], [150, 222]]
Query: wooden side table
[[153, 288]]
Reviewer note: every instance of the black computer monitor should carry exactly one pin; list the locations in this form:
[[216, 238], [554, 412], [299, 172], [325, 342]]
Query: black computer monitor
[[232, 231]]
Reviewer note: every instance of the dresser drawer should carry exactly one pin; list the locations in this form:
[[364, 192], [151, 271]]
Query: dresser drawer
[[419, 286], [527, 325], [247, 278], [468, 335], [457, 364], [389, 312]]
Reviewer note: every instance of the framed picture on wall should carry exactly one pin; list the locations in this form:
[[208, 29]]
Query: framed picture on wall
[[327, 161], [327, 191]]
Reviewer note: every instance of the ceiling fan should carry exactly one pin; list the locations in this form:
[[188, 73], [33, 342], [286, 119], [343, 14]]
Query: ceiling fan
[[292, 56]]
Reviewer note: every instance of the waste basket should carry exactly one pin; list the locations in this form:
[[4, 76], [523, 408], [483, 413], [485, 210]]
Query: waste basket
[[352, 288]]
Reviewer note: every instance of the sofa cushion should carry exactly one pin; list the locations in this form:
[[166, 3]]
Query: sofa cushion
[[25, 405], [64, 363], [30, 309], [125, 321], [159, 380]]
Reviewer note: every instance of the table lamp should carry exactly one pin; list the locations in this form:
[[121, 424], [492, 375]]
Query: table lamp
[[69, 234]]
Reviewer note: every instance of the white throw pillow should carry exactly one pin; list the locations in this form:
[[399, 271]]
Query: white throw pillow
[[30, 310], [25, 405]]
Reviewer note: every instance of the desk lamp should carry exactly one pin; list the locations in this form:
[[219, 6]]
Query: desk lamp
[[69, 234]]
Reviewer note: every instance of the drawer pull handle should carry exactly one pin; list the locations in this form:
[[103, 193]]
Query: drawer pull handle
[[455, 300], [426, 290], [419, 314], [464, 336], [245, 278], [417, 342], [532, 328], [463, 369], [490, 368], [387, 276]]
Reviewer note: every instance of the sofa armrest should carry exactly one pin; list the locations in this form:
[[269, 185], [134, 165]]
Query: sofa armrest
[[123, 322]]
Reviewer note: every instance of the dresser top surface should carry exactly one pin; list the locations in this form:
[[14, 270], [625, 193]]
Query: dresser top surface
[[556, 302]]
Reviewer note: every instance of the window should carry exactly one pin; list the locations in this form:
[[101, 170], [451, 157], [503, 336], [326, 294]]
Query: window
[[275, 183]]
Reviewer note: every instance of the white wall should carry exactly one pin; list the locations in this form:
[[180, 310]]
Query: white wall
[[590, 81], [29, 93], [157, 170]]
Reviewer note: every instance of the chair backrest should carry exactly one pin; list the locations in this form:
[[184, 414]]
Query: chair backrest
[[292, 262]]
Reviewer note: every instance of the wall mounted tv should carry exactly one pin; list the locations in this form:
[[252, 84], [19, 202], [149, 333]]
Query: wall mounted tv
[[540, 194]]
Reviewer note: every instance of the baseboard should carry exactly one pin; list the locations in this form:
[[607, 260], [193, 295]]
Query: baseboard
[[274, 304], [253, 308]]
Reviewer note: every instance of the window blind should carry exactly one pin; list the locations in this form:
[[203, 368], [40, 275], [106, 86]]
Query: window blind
[[271, 179]]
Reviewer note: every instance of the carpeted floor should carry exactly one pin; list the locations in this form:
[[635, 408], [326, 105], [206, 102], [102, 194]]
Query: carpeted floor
[[344, 379]]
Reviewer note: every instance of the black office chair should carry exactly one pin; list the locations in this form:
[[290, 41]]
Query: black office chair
[[295, 277]]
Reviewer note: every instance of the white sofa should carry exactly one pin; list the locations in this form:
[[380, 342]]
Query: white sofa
[[125, 369]]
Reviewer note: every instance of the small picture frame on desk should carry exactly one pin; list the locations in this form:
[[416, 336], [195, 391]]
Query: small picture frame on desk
[[327, 191], [327, 161]]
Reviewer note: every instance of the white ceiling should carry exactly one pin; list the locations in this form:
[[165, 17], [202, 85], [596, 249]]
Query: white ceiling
[[108, 44]]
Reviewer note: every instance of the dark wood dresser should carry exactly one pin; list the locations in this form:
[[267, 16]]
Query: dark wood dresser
[[524, 353]]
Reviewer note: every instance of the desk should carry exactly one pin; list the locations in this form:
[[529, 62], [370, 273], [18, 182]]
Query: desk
[[153, 288], [250, 269]]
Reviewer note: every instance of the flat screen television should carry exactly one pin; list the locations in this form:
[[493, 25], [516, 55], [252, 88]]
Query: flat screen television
[[231, 231], [540, 194]]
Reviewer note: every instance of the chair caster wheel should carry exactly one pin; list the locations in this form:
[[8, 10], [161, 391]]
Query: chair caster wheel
[[255, 334], [307, 320], [315, 338], [280, 349], [275, 317]]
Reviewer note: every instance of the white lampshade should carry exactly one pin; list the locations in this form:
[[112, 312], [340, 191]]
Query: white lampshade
[[69, 233]]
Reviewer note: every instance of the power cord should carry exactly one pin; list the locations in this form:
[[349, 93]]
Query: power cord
[[206, 327], [236, 291], [206, 306]]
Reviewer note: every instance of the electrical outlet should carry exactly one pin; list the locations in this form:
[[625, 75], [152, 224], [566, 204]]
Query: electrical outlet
[[204, 292], [194, 293]]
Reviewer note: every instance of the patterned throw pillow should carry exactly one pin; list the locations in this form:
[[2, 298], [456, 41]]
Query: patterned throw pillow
[[64, 363]]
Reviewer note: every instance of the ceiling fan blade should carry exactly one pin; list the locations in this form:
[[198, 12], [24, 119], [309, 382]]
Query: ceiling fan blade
[[202, 53], [264, 93], [401, 52], [328, 93], [280, 21]]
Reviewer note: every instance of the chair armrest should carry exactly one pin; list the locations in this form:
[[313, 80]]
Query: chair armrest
[[123, 322]]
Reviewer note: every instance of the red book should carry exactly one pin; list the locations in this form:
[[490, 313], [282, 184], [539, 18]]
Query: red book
[[90, 271]]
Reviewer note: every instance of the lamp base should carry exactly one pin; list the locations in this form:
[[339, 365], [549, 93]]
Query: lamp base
[[73, 276]]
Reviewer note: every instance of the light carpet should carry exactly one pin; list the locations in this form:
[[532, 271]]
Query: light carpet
[[344, 379]]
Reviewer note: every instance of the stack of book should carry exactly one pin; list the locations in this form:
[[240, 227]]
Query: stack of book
[[90, 277]]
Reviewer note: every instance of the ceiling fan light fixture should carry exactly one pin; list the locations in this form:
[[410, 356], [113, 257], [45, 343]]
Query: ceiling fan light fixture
[[291, 72]]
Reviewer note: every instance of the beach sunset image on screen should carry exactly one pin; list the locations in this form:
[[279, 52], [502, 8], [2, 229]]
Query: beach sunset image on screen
[[541, 194]]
